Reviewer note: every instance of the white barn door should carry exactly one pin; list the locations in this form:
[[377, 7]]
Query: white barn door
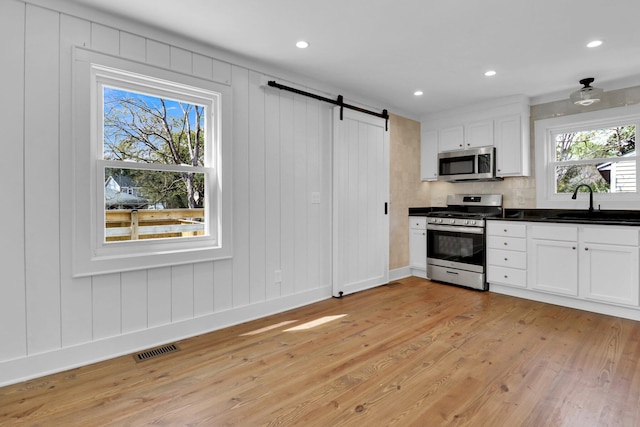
[[360, 202]]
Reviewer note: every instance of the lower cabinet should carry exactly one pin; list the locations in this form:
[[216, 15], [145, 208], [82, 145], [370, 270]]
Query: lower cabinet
[[609, 261], [418, 246], [592, 267], [553, 252]]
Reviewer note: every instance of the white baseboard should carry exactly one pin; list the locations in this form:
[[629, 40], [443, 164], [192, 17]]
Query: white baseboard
[[37, 365], [399, 273]]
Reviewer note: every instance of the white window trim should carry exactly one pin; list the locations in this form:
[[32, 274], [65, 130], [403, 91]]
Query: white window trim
[[546, 198], [91, 255]]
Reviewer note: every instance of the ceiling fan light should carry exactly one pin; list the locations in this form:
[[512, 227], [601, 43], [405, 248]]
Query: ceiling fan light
[[586, 95]]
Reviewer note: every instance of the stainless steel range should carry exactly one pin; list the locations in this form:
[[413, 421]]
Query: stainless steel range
[[456, 239]]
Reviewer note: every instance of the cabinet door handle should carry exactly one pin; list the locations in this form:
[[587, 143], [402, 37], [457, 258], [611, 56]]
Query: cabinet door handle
[[506, 277], [505, 243], [506, 259], [505, 230], [573, 247], [586, 249], [424, 234]]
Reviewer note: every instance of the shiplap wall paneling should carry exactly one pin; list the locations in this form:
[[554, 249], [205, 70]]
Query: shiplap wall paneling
[[273, 105], [107, 307], [223, 283], [243, 126], [310, 277], [325, 220], [75, 294], [132, 46], [41, 179], [133, 288], [287, 126], [158, 54], [181, 60], [203, 288], [105, 39], [298, 249], [181, 292], [159, 294], [257, 192], [12, 226]]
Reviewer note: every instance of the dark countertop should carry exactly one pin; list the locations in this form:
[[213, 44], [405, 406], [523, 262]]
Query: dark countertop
[[423, 211], [574, 216]]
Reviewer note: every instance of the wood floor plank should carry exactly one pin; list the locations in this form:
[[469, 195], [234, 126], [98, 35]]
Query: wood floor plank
[[414, 354]]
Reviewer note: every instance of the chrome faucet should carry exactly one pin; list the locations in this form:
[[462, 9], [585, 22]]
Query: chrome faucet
[[575, 193]]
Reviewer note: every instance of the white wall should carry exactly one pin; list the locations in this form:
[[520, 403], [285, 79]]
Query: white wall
[[281, 154]]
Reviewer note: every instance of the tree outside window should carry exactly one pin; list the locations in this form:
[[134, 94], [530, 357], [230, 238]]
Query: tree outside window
[[605, 159]]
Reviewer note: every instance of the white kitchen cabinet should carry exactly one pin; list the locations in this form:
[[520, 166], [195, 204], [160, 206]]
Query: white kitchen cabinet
[[468, 135], [451, 138], [512, 156], [418, 246], [553, 266], [503, 123], [610, 265], [478, 134], [584, 266], [429, 155], [506, 254]]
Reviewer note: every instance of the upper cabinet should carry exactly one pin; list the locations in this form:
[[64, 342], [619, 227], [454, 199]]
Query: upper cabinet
[[429, 155], [502, 123]]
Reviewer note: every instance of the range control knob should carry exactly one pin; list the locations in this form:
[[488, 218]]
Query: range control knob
[[452, 221], [472, 222]]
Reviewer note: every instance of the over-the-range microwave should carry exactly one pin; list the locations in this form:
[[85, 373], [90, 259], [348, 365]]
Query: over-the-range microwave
[[475, 164]]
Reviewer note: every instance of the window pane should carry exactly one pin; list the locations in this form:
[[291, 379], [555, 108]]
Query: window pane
[[149, 129], [161, 202], [611, 177], [596, 144]]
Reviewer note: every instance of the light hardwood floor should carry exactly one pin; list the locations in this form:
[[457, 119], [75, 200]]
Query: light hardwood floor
[[412, 353]]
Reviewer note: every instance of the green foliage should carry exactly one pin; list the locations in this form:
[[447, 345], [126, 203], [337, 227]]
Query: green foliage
[[599, 145]]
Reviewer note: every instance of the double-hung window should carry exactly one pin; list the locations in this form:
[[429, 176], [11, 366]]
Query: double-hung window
[[594, 148], [149, 184]]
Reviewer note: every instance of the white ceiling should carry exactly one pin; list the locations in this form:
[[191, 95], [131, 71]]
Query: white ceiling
[[384, 50]]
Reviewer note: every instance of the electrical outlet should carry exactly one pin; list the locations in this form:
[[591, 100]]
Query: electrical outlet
[[277, 276], [315, 197]]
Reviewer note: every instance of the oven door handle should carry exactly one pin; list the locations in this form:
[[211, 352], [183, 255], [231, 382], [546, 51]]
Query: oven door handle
[[456, 229]]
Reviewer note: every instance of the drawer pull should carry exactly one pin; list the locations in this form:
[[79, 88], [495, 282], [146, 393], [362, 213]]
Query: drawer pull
[[505, 230], [505, 243], [506, 277], [586, 249], [506, 259]]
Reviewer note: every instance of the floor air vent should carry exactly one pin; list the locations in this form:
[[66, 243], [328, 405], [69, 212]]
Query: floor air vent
[[155, 352]]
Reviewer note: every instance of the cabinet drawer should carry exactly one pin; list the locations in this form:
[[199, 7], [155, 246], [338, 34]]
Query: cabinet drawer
[[554, 232], [510, 259], [507, 276], [504, 228], [419, 222], [509, 243], [611, 235]]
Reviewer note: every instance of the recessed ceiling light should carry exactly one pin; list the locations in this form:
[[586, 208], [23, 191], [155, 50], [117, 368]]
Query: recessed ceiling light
[[418, 93], [302, 44], [594, 43], [490, 73]]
